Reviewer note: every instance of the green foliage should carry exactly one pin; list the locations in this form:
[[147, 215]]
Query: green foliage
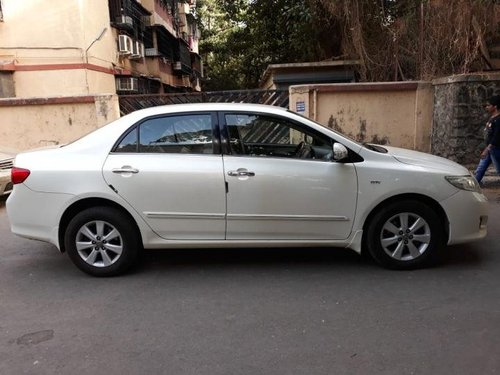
[[392, 39], [240, 38]]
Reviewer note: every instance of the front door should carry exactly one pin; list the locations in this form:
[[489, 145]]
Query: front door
[[282, 183]]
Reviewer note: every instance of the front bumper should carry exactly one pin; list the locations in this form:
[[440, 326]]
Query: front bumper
[[467, 215]]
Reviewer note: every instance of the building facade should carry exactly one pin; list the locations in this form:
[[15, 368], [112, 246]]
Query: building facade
[[64, 63], [94, 47]]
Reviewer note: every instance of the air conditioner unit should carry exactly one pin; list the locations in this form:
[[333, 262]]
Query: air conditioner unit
[[127, 84], [137, 50], [124, 21], [177, 65], [151, 52], [125, 45]]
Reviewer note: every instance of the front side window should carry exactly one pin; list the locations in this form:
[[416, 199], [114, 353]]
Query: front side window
[[259, 135], [186, 134]]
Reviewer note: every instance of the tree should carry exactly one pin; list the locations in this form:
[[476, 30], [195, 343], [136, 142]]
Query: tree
[[413, 39], [240, 38], [393, 39], [220, 21]]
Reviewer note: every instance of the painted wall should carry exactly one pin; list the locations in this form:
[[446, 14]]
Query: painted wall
[[48, 44], [40, 122], [164, 70], [397, 114]]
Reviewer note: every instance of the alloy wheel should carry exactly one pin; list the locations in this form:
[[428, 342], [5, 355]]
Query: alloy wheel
[[99, 243], [405, 236]]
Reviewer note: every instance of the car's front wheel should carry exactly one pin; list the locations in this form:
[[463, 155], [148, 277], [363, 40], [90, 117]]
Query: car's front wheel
[[404, 235], [102, 241]]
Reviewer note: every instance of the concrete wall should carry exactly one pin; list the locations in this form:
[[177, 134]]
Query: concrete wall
[[38, 122], [57, 79], [46, 46], [459, 115], [397, 114]]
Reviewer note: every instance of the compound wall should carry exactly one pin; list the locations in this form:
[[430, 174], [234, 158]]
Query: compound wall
[[40, 122], [459, 115], [393, 113]]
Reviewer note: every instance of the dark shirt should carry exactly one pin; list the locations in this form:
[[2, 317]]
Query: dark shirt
[[493, 136]]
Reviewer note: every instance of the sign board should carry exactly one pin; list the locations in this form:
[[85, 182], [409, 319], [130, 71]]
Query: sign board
[[300, 106]]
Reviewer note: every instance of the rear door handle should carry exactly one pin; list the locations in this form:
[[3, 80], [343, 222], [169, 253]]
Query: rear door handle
[[241, 172], [125, 169]]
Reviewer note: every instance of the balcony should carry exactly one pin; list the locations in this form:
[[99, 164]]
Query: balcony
[[184, 36], [184, 8], [182, 57], [194, 44], [165, 66], [164, 15], [167, 44], [124, 23], [161, 70], [196, 65], [152, 52], [128, 16]]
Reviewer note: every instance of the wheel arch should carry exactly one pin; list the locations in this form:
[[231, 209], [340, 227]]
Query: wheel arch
[[433, 204], [83, 204]]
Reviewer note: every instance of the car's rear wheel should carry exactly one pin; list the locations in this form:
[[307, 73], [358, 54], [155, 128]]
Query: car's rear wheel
[[102, 241], [404, 235]]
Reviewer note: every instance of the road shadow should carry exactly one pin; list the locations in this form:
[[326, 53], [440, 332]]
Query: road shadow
[[462, 256], [466, 255], [45, 262], [250, 258]]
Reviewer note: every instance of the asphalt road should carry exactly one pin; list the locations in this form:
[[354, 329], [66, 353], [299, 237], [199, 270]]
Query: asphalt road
[[302, 311]]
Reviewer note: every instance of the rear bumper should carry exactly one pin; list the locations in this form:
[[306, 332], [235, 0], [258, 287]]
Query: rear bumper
[[467, 215], [36, 215]]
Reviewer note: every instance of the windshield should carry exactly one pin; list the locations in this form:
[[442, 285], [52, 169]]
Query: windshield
[[369, 146], [332, 130]]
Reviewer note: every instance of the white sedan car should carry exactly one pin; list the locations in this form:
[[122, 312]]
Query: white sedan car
[[238, 175]]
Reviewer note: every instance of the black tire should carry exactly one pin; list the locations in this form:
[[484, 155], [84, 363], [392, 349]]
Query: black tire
[[108, 254], [396, 245]]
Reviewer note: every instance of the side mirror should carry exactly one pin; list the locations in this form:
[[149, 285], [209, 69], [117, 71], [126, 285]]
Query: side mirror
[[339, 152]]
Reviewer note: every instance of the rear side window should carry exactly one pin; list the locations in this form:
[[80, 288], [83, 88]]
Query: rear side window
[[186, 134], [129, 143]]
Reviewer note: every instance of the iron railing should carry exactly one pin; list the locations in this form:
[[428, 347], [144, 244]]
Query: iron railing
[[131, 103]]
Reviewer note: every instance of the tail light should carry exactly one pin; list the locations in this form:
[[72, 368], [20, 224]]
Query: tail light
[[19, 175]]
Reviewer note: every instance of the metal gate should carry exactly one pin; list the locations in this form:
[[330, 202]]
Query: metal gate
[[131, 103]]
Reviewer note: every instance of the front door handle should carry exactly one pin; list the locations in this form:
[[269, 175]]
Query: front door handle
[[125, 169], [241, 172]]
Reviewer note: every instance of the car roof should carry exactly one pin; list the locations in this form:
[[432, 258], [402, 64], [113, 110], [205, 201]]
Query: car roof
[[171, 108]]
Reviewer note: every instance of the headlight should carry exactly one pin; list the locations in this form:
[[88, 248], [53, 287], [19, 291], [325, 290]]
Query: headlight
[[468, 183]]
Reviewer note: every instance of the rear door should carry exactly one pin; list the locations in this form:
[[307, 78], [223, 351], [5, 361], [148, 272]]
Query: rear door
[[169, 168]]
